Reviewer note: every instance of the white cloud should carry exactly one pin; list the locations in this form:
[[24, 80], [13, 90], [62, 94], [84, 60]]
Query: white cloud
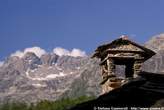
[[18, 53], [58, 50], [37, 50], [78, 52], [64, 52], [1, 63], [61, 51]]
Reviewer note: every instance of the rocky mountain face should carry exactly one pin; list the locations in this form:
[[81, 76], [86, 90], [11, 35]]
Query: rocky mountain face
[[156, 63], [52, 77], [49, 77]]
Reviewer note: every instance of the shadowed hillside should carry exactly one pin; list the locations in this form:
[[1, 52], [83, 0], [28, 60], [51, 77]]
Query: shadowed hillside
[[145, 91]]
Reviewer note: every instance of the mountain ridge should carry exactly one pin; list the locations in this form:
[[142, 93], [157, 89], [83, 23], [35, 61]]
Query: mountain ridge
[[32, 79], [52, 77]]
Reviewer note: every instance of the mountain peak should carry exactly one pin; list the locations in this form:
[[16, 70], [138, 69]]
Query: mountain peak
[[11, 59], [29, 55], [156, 42], [49, 59]]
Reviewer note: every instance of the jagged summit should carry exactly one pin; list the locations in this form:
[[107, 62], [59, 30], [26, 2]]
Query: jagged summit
[[49, 59], [31, 78], [156, 43], [156, 63]]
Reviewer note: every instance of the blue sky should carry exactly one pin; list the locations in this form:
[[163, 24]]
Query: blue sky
[[82, 24]]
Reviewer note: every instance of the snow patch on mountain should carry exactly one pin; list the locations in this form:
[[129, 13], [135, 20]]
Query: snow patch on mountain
[[34, 70], [48, 77], [78, 68], [50, 67], [52, 76], [39, 85], [59, 68]]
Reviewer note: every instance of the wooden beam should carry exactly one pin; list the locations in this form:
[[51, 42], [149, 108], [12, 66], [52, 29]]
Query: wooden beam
[[103, 61], [110, 65]]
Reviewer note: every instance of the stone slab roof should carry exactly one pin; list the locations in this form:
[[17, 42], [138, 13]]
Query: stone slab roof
[[121, 45]]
